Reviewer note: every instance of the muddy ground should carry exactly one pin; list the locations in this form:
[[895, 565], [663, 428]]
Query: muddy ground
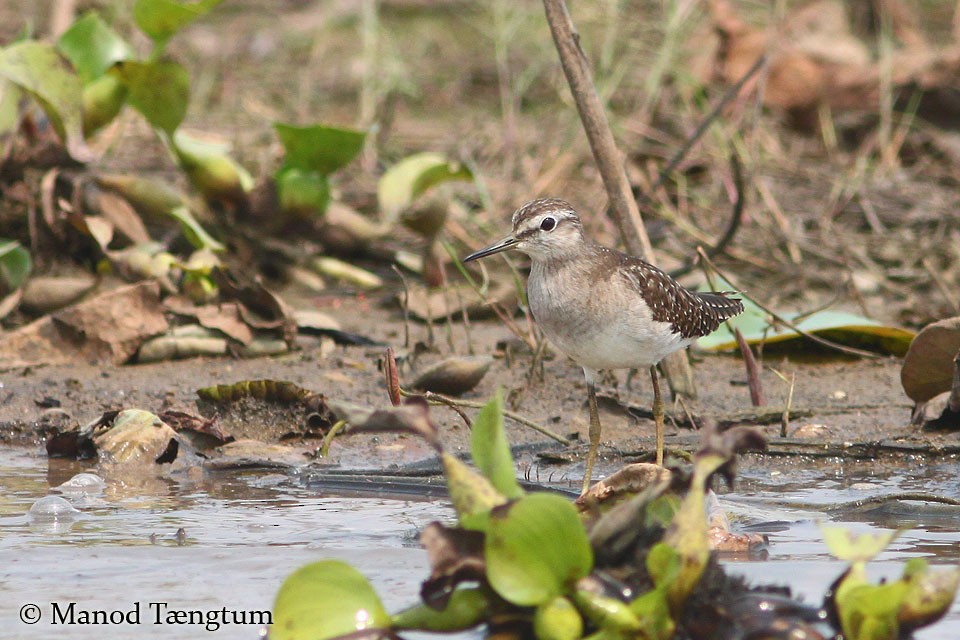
[[841, 224]]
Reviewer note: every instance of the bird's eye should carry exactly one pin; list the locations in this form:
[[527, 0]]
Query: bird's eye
[[548, 224]]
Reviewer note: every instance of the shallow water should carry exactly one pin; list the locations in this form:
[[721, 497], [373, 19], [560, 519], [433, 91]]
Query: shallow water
[[241, 533]]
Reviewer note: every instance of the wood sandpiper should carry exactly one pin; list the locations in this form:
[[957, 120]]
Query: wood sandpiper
[[603, 308]]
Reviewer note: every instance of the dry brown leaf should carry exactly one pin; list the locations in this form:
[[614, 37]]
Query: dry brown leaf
[[928, 366], [107, 328]]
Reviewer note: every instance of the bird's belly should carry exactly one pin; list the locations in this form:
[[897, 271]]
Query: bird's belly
[[598, 342]]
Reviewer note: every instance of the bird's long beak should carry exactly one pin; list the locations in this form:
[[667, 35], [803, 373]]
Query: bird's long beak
[[497, 247]]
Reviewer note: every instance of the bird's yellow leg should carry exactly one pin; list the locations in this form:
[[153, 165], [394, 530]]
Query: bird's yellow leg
[[594, 436], [657, 413]]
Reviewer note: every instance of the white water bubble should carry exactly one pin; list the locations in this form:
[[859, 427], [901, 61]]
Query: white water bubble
[[52, 508], [83, 483]]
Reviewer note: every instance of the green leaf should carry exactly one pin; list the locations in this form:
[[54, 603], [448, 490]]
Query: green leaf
[[465, 609], [161, 19], [38, 69], [193, 231], [846, 546], [318, 148], [557, 619], [210, 168], [323, 600], [93, 47], [10, 95], [757, 327], [160, 90], [102, 100], [304, 194], [407, 180], [536, 549], [491, 451], [472, 495], [15, 264]]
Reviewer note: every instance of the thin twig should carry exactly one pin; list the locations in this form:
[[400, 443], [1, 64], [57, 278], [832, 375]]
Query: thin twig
[[781, 320], [456, 405], [733, 225], [701, 129], [406, 307]]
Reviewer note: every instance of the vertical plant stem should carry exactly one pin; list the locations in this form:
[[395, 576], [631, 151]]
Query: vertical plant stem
[[595, 124]]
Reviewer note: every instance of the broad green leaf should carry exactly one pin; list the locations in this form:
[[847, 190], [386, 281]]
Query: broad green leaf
[[407, 180], [326, 599], [93, 47], [491, 451], [161, 19], [37, 68], [302, 193], [536, 549], [318, 148], [193, 231], [839, 326], [15, 264], [845, 545], [210, 168], [465, 609], [160, 90]]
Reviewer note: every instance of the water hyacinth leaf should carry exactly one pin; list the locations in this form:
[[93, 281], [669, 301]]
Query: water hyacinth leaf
[[326, 599], [929, 593], [159, 89], [304, 194], [607, 613], [92, 46], [557, 619], [15, 264], [318, 148], [193, 231], [472, 495], [405, 181], [161, 19], [843, 544], [37, 68], [491, 451], [536, 549], [465, 609]]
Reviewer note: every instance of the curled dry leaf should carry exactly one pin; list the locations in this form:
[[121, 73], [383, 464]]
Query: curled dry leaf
[[928, 366], [454, 376], [629, 480], [346, 272], [455, 555], [43, 294], [137, 437], [187, 341]]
